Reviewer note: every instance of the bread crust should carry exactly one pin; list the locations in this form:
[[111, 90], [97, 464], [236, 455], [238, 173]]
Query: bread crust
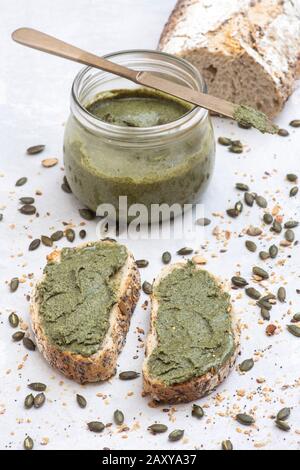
[[196, 387], [101, 365]]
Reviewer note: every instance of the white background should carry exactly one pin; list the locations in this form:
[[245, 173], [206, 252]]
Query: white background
[[34, 104]]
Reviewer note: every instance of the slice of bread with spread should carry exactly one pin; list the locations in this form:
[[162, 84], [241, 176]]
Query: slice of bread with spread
[[194, 338], [247, 50], [81, 308]]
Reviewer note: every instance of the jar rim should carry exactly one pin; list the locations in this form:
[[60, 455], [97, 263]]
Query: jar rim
[[192, 117]]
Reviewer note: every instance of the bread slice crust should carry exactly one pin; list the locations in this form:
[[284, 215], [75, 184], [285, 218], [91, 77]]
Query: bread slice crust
[[101, 365], [196, 387]]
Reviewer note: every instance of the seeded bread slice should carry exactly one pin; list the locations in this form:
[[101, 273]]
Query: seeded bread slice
[[101, 365], [196, 387]]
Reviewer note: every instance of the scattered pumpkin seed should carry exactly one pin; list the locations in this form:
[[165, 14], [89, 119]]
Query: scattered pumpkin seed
[[246, 365], [282, 425], [14, 284], [294, 191], [291, 224], [289, 235], [34, 149], [28, 443], [28, 343], [294, 330], [57, 235], [257, 271], [264, 304], [283, 133], [142, 263], [82, 234], [203, 222], [87, 214], [235, 148], [28, 209], [254, 231], [13, 320], [21, 181], [96, 426], [34, 244], [251, 246], [291, 177], [232, 213], [264, 255], [265, 314], [239, 281], [37, 386], [296, 318], [70, 235], [166, 257], [28, 402], [283, 414], [81, 401], [273, 251], [47, 241], [185, 251], [253, 293], [245, 419], [49, 162], [242, 187], [39, 400], [119, 417], [176, 435], [197, 411], [1, 217], [244, 125], [157, 428], [18, 336], [276, 227], [224, 141], [268, 218], [239, 207], [261, 202], [249, 199], [295, 123], [66, 188], [128, 375], [147, 287], [26, 200], [227, 445]]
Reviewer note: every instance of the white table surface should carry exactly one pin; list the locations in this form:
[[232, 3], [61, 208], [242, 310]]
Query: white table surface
[[34, 104]]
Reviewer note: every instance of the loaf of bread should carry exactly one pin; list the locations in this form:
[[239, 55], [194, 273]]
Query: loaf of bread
[[247, 50]]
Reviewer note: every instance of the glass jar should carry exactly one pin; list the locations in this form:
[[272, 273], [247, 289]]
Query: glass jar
[[169, 163]]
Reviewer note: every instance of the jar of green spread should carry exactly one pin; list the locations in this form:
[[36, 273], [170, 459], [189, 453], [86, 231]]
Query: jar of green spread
[[124, 140]]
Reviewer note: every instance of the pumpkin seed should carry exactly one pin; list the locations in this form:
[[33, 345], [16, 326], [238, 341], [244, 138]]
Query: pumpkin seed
[[147, 287], [294, 330], [27, 209], [21, 181], [185, 251], [203, 222], [39, 400], [251, 246], [34, 244], [28, 343], [239, 281], [295, 123], [261, 202], [245, 419], [87, 214], [157, 428], [269, 297], [176, 435], [283, 133], [70, 235], [34, 149], [291, 224], [47, 241], [273, 251], [166, 257], [276, 227], [249, 199], [254, 231], [128, 375], [96, 426], [28, 402], [283, 414], [264, 255], [14, 284], [246, 365], [268, 218], [13, 320], [239, 207], [82, 234], [244, 125], [291, 177], [264, 304], [227, 445], [1, 217], [235, 149], [197, 411], [242, 187], [224, 141], [289, 235], [57, 235], [26, 200], [282, 425], [257, 271], [232, 213], [142, 263], [265, 314], [296, 318], [253, 293], [294, 191], [37, 386], [119, 417], [49, 162], [66, 188], [18, 336], [81, 401], [28, 443]]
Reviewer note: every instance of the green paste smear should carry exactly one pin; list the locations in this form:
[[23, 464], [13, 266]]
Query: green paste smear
[[193, 326], [78, 294], [247, 115]]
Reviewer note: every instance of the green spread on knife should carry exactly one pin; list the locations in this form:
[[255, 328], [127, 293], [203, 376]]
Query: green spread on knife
[[193, 326], [78, 294], [247, 115]]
